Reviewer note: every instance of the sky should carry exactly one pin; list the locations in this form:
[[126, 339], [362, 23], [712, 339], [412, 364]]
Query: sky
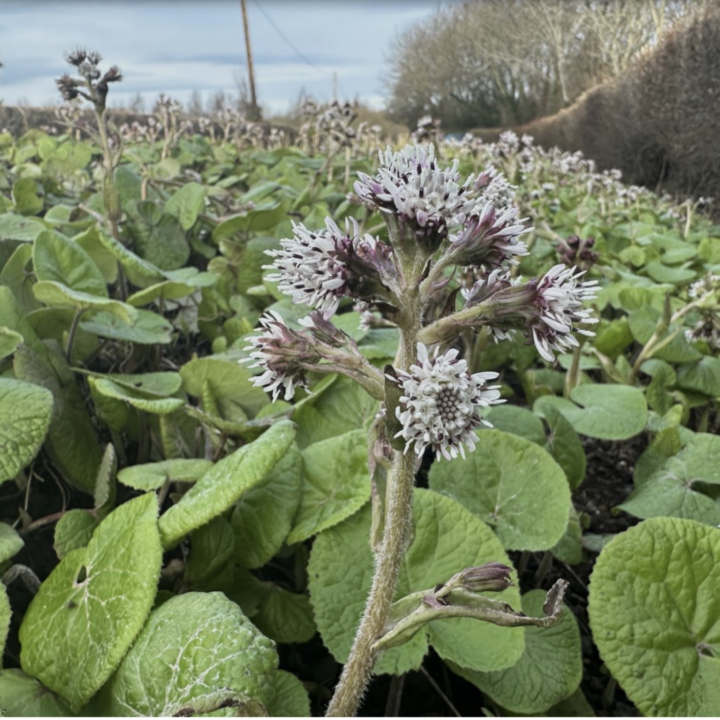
[[179, 46]]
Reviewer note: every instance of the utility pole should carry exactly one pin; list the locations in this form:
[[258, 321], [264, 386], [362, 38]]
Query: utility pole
[[334, 86], [251, 72]]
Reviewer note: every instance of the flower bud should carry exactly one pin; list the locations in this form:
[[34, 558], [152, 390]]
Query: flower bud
[[577, 251], [325, 331], [491, 577]]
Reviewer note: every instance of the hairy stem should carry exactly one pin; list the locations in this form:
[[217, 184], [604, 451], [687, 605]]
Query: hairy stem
[[357, 671]]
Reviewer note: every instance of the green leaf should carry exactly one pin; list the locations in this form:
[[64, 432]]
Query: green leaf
[[90, 242], [172, 289], [676, 275], [25, 197], [17, 274], [336, 484], [230, 384], [25, 414], [284, 616], [251, 257], [289, 699], [663, 379], [158, 237], [448, 538], [186, 204], [212, 546], [94, 603], [569, 548], [54, 293], [74, 530], [501, 481], [380, 343], [549, 670], [140, 272], [13, 317], [343, 407], [152, 476], [10, 544], [655, 615], [152, 384], [517, 421], [674, 487], [9, 341], [565, 446], [607, 412], [5, 614], [261, 218], [612, 338], [643, 323], [263, 516], [17, 227], [193, 646], [703, 376], [54, 323], [146, 328], [72, 442], [63, 261], [128, 184], [136, 398], [104, 493], [225, 483], [24, 696]]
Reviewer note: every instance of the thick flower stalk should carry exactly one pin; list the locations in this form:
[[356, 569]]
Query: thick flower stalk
[[437, 221]]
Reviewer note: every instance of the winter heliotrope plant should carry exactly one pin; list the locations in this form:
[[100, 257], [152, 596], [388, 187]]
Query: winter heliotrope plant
[[442, 229]]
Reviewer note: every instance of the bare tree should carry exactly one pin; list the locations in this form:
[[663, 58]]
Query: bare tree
[[504, 62]]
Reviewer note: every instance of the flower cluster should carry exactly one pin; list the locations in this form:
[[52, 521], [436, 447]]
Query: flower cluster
[[92, 84], [578, 251], [496, 190], [549, 310], [309, 270], [319, 268], [558, 305], [442, 403], [277, 351], [411, 185], [489, 238]]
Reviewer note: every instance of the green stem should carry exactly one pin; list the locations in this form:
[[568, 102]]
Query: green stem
[[572, 377], [73, 331], [358, 669]]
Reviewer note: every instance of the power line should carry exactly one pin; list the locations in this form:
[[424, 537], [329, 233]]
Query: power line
[[287, 40]]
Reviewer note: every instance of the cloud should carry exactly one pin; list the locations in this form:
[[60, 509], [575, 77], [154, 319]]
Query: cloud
[[182, 46]]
